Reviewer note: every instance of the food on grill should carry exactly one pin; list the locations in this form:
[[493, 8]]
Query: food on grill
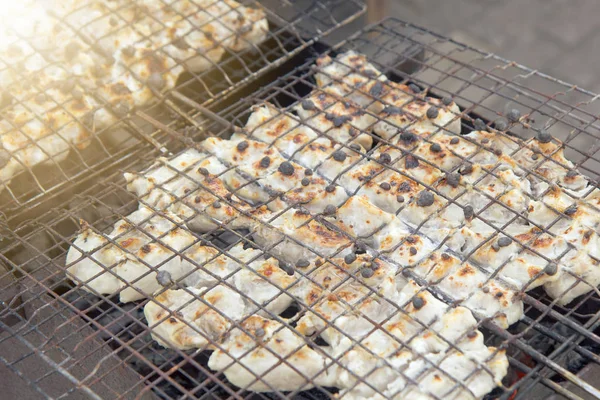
[[442, 345], [137, 51], [127, 259], [407, 111], [191, 187], [350, 75], [352, 228], [268, 349], [192, 318]]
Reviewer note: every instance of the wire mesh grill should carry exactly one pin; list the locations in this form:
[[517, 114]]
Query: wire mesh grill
[[89, 338], [71, 82]]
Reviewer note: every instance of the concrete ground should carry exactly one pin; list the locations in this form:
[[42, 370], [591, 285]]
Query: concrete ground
[[557, 37]]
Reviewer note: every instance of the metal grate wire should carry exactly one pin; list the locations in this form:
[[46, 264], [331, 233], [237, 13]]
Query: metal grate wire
[[546, 348], [293, 26]]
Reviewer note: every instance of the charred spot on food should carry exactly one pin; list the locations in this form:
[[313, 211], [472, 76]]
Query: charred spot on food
[[408, 137], [367, 272], [414, 88], [432, 112], [411, 162], [404, 187], [425, 199], [287, 268], [302, 263], [341, 120], [350, 258], [418, 302], [551, 269], [242, 146], [360, 247], [355, 147], [164, 278], [376, 89], [264, 162], [446, 100], [413, 251], [572, 209], [203, 171], [308, 105], [504, 241], [330, 209], [453, 179], [385, 186], [286, 168], [400, 199], [330, 189], [468, 212], [305, 182], [392, 110], [435, 148], [339, 156], [466, 169]]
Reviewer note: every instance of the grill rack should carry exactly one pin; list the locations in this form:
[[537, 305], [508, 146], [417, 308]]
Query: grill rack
[[293, 27], [567, 326]]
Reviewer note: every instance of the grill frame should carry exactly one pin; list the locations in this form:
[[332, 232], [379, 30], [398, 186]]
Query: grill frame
[[22, 233], [292, 29]]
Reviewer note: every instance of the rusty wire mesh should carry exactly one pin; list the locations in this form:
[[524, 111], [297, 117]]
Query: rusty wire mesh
[[93, 341], [42, 91]]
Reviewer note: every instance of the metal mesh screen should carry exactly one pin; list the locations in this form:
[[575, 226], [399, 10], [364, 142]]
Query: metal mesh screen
[[269, 273], [74, 72]]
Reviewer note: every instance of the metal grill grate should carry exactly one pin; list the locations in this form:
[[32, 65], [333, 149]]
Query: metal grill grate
[[37, 87], [90, 339]]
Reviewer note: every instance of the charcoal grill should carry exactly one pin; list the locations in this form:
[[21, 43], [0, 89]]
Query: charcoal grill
[[293, 26], [95, 345]]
